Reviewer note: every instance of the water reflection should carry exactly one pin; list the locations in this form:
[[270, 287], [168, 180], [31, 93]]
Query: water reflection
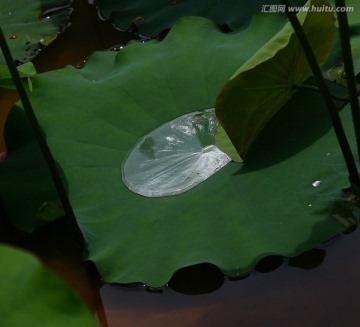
[[85, 35], [198, 279], [269, 263], [326, 289], [308, 260]]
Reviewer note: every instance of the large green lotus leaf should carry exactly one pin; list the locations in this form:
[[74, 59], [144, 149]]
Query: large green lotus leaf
[[266, 82], [94, 116], [26, 32], [152, 17], [27, 167], [33, 296], [27, 191]]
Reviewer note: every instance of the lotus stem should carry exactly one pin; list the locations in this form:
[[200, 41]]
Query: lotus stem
[[36, 129], [349, 70], [330, 105]]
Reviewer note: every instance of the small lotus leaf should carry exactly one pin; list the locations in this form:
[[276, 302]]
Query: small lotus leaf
[[27, 33]]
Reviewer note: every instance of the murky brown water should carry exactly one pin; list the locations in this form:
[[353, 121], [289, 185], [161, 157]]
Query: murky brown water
[[319, 288]]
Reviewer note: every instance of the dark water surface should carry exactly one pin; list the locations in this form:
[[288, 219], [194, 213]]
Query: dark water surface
[[318, 288], [323, 296]]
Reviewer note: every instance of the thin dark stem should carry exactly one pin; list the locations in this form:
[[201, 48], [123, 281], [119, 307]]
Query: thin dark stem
[[36, 128], [316, 89], [349, 70], [333, 112]]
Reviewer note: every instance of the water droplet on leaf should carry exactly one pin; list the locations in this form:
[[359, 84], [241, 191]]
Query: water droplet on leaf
[[175, 157], [80, 64], [117, 47], [142, 38], [316, 183]]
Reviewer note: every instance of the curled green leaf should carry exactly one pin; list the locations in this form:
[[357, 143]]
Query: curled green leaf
[[266, 82]]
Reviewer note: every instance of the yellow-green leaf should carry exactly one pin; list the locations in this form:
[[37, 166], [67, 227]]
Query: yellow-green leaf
[[266, 81]]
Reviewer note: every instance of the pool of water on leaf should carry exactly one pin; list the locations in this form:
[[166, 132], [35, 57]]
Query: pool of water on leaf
[[317, 288]]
